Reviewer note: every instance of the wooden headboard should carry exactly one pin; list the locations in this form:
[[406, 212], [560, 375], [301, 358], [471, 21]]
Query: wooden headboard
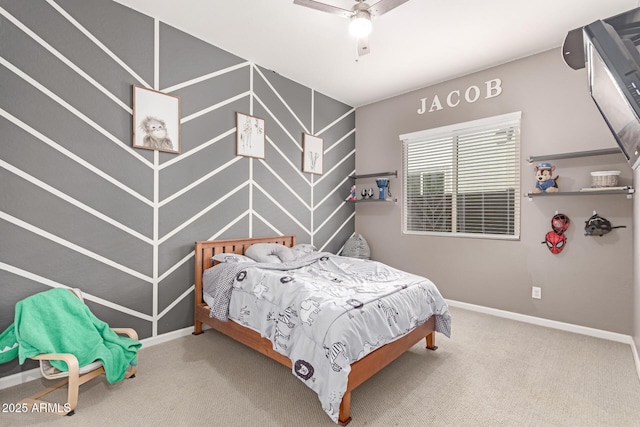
[[208, 248]]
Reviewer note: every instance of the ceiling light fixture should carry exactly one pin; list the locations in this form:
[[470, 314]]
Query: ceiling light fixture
[[360, 25]]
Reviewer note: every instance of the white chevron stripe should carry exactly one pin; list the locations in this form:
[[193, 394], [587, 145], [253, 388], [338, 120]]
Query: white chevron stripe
[[98, 43], [72, 156], [328, 173], [214, 107], [197, 149], [202, 212], [338, 142], [297, 168], [275, 119], [42, 233], [205, 77], [74, 111], [175, 266], [267, 223], [339, 187], [335, 121], [155, 262], [331, 215], [74, 202], [52, 284], [284, 183], [66, 61], [229, 225], [337, 231], [199, 181], [295, 116], [192, 253], [175, 302], [282, 208]]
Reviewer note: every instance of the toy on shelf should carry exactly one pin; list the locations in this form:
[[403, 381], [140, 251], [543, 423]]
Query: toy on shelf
[[352, 195], [544, 180], [366, 193], [383, 188], [598, 226], [555, 239]]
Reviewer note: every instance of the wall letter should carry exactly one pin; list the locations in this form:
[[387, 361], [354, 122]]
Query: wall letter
[[467, 94], [494, 88], [423, 107], [435, 105], [449, 102]]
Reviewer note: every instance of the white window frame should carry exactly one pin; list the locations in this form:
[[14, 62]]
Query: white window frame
[[457, 131]]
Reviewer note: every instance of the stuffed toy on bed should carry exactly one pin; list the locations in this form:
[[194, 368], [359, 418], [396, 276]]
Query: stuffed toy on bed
[[544, 180]]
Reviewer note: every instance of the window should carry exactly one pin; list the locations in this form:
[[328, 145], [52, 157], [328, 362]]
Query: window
[[464, 179]]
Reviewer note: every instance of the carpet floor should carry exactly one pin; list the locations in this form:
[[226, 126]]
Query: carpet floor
[[492, 372]]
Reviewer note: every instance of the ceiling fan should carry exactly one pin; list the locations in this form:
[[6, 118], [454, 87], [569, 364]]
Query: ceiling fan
[[360, 15]]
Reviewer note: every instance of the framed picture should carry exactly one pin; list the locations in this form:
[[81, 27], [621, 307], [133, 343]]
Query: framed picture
[[249, 136], [312, 154], [156, 120]]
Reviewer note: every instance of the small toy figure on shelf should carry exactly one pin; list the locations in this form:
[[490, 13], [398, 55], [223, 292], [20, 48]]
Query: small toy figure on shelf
[[544, 181], [366, 193], [352, 195]]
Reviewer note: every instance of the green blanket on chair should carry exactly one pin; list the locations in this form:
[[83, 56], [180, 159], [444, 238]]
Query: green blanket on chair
[[56, 321]]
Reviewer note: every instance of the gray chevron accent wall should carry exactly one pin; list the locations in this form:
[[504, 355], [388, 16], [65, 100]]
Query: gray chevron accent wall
[[80, 207]]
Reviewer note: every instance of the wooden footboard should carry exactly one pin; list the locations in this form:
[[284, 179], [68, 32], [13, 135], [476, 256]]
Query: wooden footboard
[[361, 370]]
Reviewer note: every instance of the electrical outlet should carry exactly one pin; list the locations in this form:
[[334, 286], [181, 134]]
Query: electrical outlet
[[536, 292]]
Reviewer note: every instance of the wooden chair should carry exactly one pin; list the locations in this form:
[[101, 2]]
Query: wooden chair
[[74, 377]]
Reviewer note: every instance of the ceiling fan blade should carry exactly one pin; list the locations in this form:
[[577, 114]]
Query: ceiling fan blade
[[312, 4], [363, 46], [384, 6]]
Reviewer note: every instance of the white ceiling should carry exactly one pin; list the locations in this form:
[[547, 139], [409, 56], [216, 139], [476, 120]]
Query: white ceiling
[[418, 44]]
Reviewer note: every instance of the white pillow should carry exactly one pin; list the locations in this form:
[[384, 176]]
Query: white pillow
[[270, 252], [356, 247], [231, 258]]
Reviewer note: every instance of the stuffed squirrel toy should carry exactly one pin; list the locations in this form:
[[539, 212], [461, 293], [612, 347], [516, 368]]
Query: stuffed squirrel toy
[[544, 181]]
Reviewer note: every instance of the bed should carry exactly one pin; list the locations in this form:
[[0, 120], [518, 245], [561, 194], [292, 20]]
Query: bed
[[358, 371]]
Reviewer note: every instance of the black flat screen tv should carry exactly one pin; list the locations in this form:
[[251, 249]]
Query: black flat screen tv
[[613, 66]]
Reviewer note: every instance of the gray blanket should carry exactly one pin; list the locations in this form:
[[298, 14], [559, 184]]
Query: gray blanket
[[324, 312]]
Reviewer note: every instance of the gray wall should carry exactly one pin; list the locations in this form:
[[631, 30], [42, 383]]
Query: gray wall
[[591, 282], [80, 207]]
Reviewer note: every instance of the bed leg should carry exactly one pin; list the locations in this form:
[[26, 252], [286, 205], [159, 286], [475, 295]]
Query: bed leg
[[197, 328], [345, 409], [431, 341]]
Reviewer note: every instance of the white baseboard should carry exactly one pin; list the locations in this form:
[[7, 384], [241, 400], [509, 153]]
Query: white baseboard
[[634, 350], [34, 374], [583, 330]]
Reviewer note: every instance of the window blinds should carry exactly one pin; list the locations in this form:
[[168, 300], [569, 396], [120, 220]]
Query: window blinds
[[463, 179]]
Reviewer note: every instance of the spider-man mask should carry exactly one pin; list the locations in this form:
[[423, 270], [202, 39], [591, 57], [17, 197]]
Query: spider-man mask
[[560, 223], [555, 242]]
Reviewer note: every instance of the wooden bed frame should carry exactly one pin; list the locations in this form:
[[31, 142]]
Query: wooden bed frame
[[361, 370]]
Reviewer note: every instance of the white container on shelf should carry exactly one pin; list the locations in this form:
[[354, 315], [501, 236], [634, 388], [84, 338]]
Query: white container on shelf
[[604, 178]]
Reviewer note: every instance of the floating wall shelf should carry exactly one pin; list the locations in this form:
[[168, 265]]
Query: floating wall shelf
[[601, 152], [372, 200], [375, 175], [628, 192]]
